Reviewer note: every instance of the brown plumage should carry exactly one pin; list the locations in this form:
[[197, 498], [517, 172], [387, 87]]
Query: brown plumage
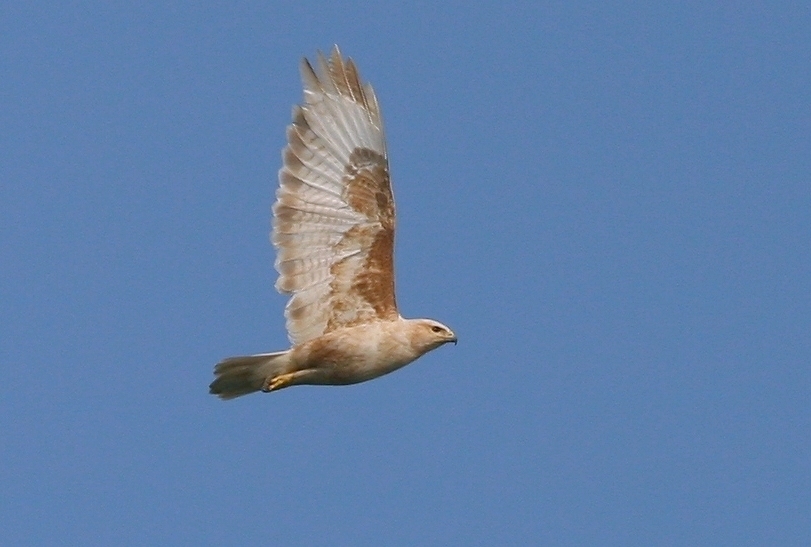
[[333, 228]]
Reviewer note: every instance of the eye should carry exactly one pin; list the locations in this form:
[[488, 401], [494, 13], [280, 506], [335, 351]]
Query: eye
[[436, 329]]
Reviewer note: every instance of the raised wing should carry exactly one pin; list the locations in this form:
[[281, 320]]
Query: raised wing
[[333, 220]]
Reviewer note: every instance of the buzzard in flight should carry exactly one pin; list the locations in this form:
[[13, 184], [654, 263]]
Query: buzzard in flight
[[333, 229]]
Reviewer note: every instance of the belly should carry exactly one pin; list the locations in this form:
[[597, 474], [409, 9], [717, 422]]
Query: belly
[[351, 356]]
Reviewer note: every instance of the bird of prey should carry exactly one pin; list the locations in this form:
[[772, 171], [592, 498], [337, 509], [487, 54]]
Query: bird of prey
[[333, 229]]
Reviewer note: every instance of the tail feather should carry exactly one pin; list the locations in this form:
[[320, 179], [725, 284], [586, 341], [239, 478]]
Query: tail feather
[[237, 376]]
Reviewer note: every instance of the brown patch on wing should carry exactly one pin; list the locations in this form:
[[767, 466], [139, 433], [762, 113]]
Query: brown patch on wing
[[365, 291], [368, 188]]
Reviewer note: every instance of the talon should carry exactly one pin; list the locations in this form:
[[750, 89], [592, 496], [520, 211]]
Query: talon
[[278, 382]]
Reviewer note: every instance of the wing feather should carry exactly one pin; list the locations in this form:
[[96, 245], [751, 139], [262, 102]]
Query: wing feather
[[333, 220]]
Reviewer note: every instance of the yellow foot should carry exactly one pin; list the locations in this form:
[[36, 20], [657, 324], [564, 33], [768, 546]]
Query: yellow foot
[[278, 382]]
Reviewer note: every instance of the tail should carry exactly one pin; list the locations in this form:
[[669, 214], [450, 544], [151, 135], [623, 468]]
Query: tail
[[237, 376]]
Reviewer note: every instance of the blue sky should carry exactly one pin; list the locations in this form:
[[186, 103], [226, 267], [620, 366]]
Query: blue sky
[[610, 203]]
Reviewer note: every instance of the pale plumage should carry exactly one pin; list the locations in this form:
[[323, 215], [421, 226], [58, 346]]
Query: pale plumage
[[333, 228]]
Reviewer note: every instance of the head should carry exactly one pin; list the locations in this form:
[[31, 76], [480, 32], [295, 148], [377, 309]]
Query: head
[[427, 334]]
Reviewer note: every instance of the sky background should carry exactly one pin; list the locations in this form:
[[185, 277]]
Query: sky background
[[609, 202]]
